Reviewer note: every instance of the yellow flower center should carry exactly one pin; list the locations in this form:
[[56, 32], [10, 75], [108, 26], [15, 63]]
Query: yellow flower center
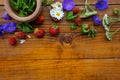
[[59, 5], [58, 14]]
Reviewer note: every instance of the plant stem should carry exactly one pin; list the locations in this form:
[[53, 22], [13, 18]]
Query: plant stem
[[86, 3], [116, 31], [115, 20]]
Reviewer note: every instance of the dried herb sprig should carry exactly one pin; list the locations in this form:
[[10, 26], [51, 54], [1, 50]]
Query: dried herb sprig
[[109, 34], [107, 24], [87, 11]]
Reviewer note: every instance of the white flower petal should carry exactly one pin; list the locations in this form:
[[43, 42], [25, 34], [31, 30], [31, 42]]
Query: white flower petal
[[22, 41], [28, 36]]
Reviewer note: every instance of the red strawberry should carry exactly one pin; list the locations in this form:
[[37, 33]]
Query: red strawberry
[[12, 41], [78, 20], [40, 20], [75, 10], [20, 35], [39, 32], [54, 30]]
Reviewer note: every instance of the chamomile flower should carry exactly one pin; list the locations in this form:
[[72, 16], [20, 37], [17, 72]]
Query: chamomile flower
[[59, 14], [52, 11], [53, 6], [57, 6], [57, 11]]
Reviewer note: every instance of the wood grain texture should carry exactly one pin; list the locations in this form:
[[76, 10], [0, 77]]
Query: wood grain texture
[[48, 59], [60, 70]]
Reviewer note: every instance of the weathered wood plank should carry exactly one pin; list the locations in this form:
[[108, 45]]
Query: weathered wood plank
[[48, 59], [60, 70], [50, 48]]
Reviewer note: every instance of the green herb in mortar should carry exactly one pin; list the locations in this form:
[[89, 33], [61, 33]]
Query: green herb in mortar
[[23, 7]]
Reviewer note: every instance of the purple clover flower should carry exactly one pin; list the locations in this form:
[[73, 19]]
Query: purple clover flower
[[68, 5], [9, 27], [97, 20], [102, 4], [6, 16]]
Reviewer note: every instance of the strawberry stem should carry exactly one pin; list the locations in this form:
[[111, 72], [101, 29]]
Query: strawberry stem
[[54, 26]]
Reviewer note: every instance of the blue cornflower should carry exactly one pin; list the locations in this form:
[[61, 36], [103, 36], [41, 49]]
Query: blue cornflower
[[1, 30], [68, 5], [9, 27], [6, 16], [97, 20], [101, 4]]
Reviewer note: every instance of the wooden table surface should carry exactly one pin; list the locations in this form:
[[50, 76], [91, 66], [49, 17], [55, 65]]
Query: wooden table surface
[[48, 59]]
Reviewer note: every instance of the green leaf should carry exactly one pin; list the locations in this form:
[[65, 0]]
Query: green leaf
[[116, 11], [49, 2], [24, 7], [44, 2], [70, 16], [73, 26], [25, 27], [108, 35], [83, 28], [54, 26], [21, 14], [13, 4], [92, 32]]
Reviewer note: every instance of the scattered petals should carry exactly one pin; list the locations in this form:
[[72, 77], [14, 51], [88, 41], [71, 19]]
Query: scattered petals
[[22, 41], [97, 20], [29, 36], [6, 16]]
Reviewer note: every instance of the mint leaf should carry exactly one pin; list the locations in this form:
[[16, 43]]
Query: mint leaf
[[73, 26], [25, 27], [49, 2], [44, 2], [70, 16]]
